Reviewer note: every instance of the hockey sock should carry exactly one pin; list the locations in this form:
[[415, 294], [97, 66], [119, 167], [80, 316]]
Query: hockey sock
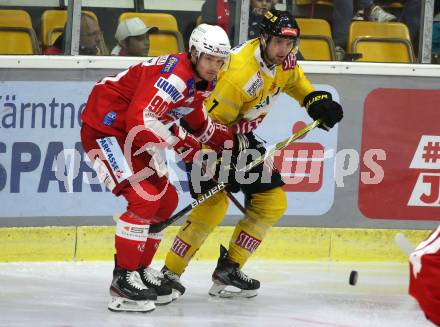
[[151, 247], [263, 211], [246, 238], [131, 236], [200, 223]]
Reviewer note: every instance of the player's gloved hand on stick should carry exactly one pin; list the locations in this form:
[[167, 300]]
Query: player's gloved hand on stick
[[184, 143], [206, 185], [244, 144], [214, 135], [320, 105]]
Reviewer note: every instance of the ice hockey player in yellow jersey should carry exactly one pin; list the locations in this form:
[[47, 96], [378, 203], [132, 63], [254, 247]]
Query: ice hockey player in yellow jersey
[[257, 72]]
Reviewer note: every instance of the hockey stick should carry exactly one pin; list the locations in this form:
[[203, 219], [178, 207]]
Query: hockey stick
[[229, 194], [233, 199], [202, 198], [404, 244]]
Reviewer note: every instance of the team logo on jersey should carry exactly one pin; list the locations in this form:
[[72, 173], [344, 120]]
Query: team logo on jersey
[[289, 62], [110, 118], [254, 85], [169, 65], [168, 88]]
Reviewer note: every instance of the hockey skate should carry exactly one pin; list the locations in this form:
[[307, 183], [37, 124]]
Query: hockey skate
[[173, 280], [229, 281], [128, 293], [154, 279]]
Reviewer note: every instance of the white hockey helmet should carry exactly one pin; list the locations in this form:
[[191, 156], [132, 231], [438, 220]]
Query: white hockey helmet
[[210, 39]]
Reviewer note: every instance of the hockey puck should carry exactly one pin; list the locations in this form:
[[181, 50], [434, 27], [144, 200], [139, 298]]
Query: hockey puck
[[353, 277]]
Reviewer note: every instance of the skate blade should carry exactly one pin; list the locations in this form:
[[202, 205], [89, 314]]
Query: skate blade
[[227, 291], [164, 299], [118, 304]]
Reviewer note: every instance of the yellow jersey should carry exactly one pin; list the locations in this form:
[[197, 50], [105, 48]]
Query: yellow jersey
[[247, 87]]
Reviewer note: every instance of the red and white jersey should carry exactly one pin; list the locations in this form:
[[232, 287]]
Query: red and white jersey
[[150, 94], [425, 275]]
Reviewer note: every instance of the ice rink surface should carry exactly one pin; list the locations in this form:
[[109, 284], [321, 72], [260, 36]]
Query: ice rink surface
[[292, 294]]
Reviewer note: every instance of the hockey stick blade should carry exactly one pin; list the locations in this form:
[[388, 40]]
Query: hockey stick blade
[[404, 244], [202, 198]]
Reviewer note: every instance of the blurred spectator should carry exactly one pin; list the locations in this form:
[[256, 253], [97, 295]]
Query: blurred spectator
[[343, 14], [411, 16], [372, 12], [257, 9], [90, 41], [222, 13], [132, 37]]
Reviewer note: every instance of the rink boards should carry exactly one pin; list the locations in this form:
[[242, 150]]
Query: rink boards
[[378, 172], [282, 243]]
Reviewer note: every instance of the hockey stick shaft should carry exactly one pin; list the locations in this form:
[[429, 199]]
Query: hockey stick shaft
[[202, 198], [229, 194], [189, 207], [281, 145], [235, 201], [404, 244]]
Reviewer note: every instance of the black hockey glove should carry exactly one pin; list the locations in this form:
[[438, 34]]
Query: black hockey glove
[[243, 145], [319, 105], [206, 185], [244, 142]]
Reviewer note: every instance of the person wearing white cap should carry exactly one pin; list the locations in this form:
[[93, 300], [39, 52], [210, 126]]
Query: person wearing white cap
[[132, 37]]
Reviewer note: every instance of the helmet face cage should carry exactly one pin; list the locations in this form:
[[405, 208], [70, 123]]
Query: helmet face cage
[[211, 40], [280, 24]]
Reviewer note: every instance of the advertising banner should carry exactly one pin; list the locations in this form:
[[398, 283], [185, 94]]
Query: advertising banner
[[404, 124], [44, 172]]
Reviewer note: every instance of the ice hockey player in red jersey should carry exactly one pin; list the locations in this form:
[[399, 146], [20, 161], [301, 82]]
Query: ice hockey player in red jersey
[[124, 124], [424, 282]]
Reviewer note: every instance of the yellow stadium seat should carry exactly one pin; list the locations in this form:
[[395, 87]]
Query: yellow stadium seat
[[15, 18], [380, 42], [13, 41], [16, 33], [52, 24], [160, 20], [167, 40], [316, 39]]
